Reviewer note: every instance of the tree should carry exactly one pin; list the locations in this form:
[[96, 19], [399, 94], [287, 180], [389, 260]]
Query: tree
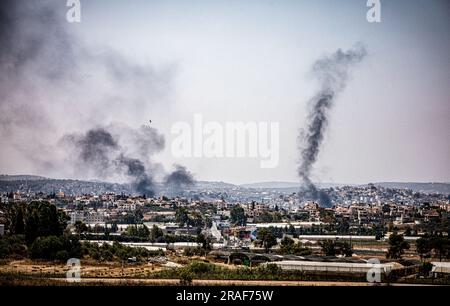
[[140, 231], [181, 216], [196, 220], [156, 234], [378, 235], [441, 246], [205, 242], [286, 245], [31, 227], [343, 227], [237, 216], [43, 219], [186, 276], [138, 215], [143, 231], [377, 230], [397, 246], [334, 247], [266, 238], [114, 228], [12, 246], [56, 247], [407, 231], [427, 244], [291, 230], [19, 225], [424, 247], [265, 217], [80, 227]]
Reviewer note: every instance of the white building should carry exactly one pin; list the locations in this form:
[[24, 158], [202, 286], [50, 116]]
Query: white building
[[94, 217], [76, 216], [440, 268], [335, 267], [89, 217]]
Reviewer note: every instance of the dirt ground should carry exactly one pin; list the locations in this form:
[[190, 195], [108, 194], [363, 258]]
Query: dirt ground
[[88, 269]]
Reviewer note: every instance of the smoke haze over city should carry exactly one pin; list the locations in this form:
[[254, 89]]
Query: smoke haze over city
[[62, 84]]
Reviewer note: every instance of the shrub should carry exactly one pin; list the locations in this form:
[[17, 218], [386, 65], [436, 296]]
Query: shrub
[[335, 247], [186, 276], [426, 268], [193, 252], [13, 246], [270, 269], [62, 255], [51, 248]]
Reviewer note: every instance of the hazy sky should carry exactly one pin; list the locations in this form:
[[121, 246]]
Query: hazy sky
[[250, 61]]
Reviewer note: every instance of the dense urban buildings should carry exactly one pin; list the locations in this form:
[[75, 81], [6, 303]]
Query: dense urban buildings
[[258, 226]]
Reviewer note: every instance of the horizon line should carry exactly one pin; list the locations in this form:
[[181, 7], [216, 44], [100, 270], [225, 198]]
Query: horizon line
[[242, 184]]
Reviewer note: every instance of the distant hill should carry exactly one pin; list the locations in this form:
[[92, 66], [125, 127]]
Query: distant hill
[[40, 183], [443, 188], [36, 184], [266, 185], [283, 185], [26, 183], [6, 177], [212, 184]]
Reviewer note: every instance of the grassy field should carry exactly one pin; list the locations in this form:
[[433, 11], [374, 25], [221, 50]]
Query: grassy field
[[40, 273], [89, 269]]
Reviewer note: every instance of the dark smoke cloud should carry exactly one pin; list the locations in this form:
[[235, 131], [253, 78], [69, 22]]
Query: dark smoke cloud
[[104, 153], [332, 72], [179, 180], [143, 181], [96, 147], [62, 102]]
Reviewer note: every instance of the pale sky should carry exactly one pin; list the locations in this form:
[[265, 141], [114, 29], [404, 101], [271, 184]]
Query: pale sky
[[250, 60]]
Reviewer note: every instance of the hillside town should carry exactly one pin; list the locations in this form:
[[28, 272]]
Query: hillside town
[[367, 210], [401, 228]]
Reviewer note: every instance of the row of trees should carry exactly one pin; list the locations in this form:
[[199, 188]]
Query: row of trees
[[267, 239], [439, 246], [81, 227], [288, 246], [55, 248], [194, 219], [33, 220], [426, 247], [336, 247], [37, 230], [116, 251]]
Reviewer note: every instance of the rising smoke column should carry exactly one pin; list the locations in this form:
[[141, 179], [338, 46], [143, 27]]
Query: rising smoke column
[[53, 86], [104, 152], [179, 180], [332, 72], [95, 149], [143, 181]]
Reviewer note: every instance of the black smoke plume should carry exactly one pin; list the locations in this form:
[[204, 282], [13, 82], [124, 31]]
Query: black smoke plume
[[143, 181], [104, 153], [96, 147], [332, 72], [54, 86], [179, 180]]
